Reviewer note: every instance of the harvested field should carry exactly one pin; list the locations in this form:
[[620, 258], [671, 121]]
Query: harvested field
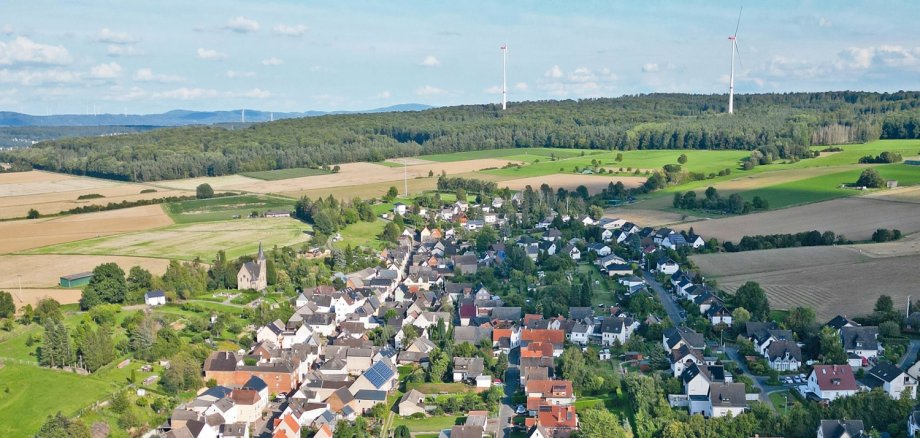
[[831, 280], [378, 189], [33, 296], [51, 193], [648, 218], [594, 183], [856, 218], [218, 183], [903, 194], [766, 179], [188, 241], [22, 235], [410, 161], [44, 271]]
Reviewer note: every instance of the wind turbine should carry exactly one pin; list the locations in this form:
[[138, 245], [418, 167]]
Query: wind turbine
[[504, 76], [731, 79]]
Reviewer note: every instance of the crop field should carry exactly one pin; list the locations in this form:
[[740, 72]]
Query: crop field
[[44, 271], [275, 175], [855, 217], [190, 241], [831, 280], [225, 208], [515, 154], [22, 235], [51, 193], [594, 183]]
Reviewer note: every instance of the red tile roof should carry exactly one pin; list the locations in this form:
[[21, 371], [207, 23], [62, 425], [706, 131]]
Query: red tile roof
[[552, 417], [537, 349], [542, 335], [500, 333], [550, 388], [835, 377]]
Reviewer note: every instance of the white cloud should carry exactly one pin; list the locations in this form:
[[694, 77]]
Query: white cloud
[[210, 55], [233, 74], [111, 37], [242, 25], [554, 72], [862, 58], [187, 94], [651, 68], [272, 61], [115, 50], [429, 90], [254, 93], [105, 71], [147, 75], [495, 89], [39, 77], [824, 22], [431, 61], [521, 86], [7, 30], [383, 95], [22, 50], [296, 30]]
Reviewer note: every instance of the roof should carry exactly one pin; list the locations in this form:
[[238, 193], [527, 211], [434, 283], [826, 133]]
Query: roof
[[379, 373], [466, 432], [77, 276], [370, 394], [686, 334], [859, 338], [579, 313], [557, 417], [221, 361], [549, 387], [507, 313], [469, 365], [779, 349], [727, 395], [543, 335], [154, 294], [472, 335], [255, 383], [835, 377], [842, 428], [885, 372]]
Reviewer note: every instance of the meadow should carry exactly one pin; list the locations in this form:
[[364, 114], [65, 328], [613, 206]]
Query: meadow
[[225, 208], [514, 154], [275, 175]]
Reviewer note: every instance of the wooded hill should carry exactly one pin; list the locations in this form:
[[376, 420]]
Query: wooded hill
[[783, 123]]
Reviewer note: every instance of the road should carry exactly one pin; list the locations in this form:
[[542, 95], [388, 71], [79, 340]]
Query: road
[[765, 390], [512, 380], [910, 356], [670, 306]]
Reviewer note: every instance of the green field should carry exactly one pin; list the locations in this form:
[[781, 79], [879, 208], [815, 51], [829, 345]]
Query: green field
[[275, 175], [430, 424], [196, 240], [34, 393], [224, 208], [515, 154], [362, 234], [697, 161]]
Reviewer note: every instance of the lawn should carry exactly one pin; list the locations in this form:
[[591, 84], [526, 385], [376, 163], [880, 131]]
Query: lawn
[[36, 392], [430, 424], [514, 154], [362, 234], [275, 175], [439, 388], [603, 293], [225, 208], [779, 401]]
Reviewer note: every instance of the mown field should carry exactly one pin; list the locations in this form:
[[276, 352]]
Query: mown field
[[225, 208], [516, 154], [275, 175]]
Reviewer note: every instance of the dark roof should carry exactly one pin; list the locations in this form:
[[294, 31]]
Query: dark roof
[[778, 349], [255, 383], [154, 294], [579, 313], [217, 392], [221, 361], [841, 428], [466, 432], [859, 338], [727, 395], [694, 339], [77, 276], [839, 322], [507, 313], [370, 394], [885, 372], [379, 373]]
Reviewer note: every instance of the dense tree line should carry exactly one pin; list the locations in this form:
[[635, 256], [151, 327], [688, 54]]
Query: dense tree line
[[771, 241], [777, 125], [884, 157], [470, 185], [713, 201]]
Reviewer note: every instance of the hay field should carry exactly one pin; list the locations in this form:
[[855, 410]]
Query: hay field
[[51, 193], [901, 194], [44, 271], [218, 183], [594, 183], [23, 235], [856, 218], [188, 241], [647, 217], [831, 280], [34, 295], [378, 189]]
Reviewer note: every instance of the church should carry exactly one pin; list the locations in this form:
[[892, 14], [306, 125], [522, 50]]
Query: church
[[254, 274]]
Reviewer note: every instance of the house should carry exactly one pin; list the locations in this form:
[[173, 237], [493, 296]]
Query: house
[[155, 298], [552, 392], [617, 330], [725, 399], [667, 266], [861, 343], [471, 431], [784, 355], [839, 322], [892, 379], [558, 421], [467, 368], [600, 249], [472, 335], [683, 357], [412, 402], [399, 208], [497, 202], [829, 382], [675, 337], [381, 376], [572, 251], [842, 429], [674, 241], [253, 274]]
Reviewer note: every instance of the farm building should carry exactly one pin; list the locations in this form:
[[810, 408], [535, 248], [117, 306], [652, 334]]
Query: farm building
[[912, 162], [76, 280], [155, 298], [891, 184], [277, 213]]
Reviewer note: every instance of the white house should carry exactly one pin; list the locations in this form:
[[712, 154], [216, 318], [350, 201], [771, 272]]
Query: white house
[[667, 266], [830, 382], [725, 399], [155, 298], [784, 355], [399, 208], [861, 343], [893, 380], [617, 329]]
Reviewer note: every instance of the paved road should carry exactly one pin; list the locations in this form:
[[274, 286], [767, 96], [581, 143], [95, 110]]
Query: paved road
[[512, 380], [670, 306], [910, 356], [733, 354]]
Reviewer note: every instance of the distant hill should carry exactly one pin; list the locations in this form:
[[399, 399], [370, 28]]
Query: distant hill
[[178, 117]]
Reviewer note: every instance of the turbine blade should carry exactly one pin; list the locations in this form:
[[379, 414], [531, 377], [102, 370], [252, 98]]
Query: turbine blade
[[738, 53], [738, 24]]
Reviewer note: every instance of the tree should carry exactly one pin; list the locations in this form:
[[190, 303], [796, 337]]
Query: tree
[[889, 329], [735, 204], [831, 346], [402, 431], [391, 193], [601, 423], [139, 279], [870, 178], [7, 307], [56, 350], [391, 232], [108, 285], [682, 159], [98, 348], [753, 298], [33, 214], [740, 316], [59, 426], [204, 191], [884, 304], [410, 333], [183, 374], [800, 320], [48, 308]]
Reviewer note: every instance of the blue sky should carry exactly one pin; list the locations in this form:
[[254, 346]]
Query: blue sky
[[142, 57]]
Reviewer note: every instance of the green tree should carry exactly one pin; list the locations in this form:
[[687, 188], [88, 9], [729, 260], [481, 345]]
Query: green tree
[[204, 191], [98, 348], [870, 178], [753, 298], [800, 320], [183, 374], [832, 350], [108, 285], [56, 350], [601, 423], [402, 431], [682, 159], [139, 279], [391, 194], [32, 214], [884, 304], [7, 307], [391, 232], [59, 426], [48, 308]]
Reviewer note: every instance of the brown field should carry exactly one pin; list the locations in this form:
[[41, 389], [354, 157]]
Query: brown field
[[648, 218], [594, 183], [51, 193], [218, 183], [410, 161], [902, 194], [27, 234], [378, 189], [830, 280], [32, 296], [44, 271], [766, 179], [856, 218]]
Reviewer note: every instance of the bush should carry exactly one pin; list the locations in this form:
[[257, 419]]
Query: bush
[[33, 214], [204, 191], [89, 196], [871, 179]]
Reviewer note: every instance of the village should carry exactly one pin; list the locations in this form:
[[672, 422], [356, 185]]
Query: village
[[421, 339]]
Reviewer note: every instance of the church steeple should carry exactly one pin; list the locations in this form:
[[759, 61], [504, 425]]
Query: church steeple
[[261, 256]]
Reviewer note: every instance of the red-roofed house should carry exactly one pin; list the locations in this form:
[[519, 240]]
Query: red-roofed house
[[558, 420], [555, 337], [829, 382], [537, 349], [554, 392]]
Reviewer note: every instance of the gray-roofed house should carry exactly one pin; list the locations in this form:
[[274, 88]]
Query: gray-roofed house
[[412, 402], [842, 429], [784, 355], [726, 398], [473, 335], [892, 379], [466, 368]]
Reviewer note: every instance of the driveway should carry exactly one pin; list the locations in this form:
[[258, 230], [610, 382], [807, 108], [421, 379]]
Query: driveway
[[759, 381], [670, 306], [910, 356]]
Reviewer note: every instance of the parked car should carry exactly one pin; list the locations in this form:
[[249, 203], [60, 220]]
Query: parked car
[[520, 409]]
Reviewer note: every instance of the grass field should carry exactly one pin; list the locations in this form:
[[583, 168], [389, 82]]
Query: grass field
[[224, 208], [430, 424], [516, 154], [190, 241], [697, 161], [362, 234], [275, 175]]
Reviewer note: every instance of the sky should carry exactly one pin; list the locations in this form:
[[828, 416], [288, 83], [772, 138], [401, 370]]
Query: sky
[[147, 57]]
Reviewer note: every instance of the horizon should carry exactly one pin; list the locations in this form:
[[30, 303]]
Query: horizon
[[291, 57]]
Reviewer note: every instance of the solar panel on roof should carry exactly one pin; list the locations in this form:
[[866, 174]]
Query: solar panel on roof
[[378, 374]]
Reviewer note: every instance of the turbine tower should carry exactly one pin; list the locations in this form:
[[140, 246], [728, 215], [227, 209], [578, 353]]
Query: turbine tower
[[731, 78], [504, 76]]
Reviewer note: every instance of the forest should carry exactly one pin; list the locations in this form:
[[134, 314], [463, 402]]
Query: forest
[[781, 125]]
